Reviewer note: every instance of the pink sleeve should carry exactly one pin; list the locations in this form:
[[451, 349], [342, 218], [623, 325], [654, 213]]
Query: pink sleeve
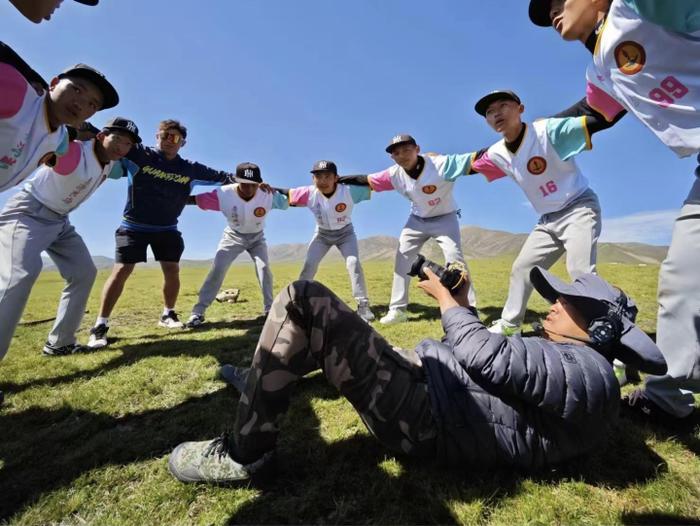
[[13, 88], [603, 103], [208, 201], [299, 196], [484, 165], [66, 164], [380, 181]]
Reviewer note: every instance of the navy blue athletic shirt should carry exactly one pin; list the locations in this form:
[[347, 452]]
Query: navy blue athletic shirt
[[159, 190]]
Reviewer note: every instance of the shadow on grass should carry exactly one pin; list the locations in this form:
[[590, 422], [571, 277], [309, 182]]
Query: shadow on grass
[[657, 519], [237, 348]]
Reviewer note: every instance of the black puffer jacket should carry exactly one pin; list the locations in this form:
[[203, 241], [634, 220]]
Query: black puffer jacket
[[523, 402]]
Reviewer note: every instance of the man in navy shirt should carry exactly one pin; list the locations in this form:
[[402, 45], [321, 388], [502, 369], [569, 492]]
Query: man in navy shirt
[[156, 197]]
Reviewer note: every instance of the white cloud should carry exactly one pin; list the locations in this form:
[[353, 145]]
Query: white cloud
[[652, 227]]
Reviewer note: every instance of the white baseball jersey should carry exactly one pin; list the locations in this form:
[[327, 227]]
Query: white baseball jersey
[[431, 193], [25, 136], [549, 182], [331, 213], [652, 72], [246, 217], [74, 178]]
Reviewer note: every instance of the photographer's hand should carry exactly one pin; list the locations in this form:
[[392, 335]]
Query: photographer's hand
[[433, 287]]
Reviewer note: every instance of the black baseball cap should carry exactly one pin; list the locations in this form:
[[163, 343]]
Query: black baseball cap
[[483, 103], [539, 12], [324, 166], [123, 125], [109, 94], [592, 296], [88, 2], [248, 173], [402, 138]]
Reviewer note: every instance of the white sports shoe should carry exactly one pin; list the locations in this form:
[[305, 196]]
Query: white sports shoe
[[394, 316], [504, 327], [170, 321], [195, 320], [98, 337], [364, 312]]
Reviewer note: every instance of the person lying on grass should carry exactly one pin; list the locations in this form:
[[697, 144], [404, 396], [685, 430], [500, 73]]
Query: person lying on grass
[[474, 400]]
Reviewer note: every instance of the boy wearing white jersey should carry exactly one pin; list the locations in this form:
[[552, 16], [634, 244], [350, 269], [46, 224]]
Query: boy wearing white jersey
[[245, 206], [539, 157], [428, 183], [36, 220], [332, 204], [33, 127], [645, 62]]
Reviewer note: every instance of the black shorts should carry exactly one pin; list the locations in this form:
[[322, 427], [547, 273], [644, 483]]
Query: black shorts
[[132, 245]]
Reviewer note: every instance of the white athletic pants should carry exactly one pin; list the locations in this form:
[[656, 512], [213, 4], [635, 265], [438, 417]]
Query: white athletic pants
[[26, 229], [574, 230], [346, 241], [445, 230], [232, 244], [678, 321]]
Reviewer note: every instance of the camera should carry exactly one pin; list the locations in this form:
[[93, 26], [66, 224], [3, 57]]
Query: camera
[[451, 276]]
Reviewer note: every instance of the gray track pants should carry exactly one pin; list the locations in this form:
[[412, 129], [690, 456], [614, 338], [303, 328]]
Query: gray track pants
[[346, 241], [232, 244], [445, 230], [26, 229], [574, 230], [678, 322]]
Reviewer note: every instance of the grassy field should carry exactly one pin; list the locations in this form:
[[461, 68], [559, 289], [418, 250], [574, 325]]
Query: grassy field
[[84, 439]]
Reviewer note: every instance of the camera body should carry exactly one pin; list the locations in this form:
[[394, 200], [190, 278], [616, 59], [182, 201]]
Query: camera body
[[451, 277]]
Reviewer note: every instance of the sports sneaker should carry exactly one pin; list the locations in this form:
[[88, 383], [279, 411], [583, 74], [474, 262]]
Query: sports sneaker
[[364, 312], [235, 376], [52, 350], [394, 316], [170, 321], [637, 406], [211, 461], [194, 321], [504, 327], [98, 337]]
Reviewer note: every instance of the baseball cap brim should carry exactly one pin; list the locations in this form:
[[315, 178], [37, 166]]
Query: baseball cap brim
[[244, 181], [88, 2], [134, 136], [636, 347], [110, 97], [391, 147], [483, 103], [539, 12]]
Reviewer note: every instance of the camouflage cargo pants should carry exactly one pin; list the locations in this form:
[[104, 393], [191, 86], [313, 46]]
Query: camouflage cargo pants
[[309, 328]]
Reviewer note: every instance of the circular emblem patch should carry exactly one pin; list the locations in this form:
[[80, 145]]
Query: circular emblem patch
[[340, 207], [259, 211], [429, 189], [630, 57], [537, 165]]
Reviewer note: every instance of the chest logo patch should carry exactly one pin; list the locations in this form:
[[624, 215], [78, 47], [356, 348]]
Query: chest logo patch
[[429, 189], [537, 165], [630, 57], [259, 211], [340, 207]]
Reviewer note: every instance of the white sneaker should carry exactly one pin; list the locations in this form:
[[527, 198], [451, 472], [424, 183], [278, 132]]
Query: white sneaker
[[98, 337], [195, 320], [394, 316], [364, 312], [170, 321], [504, 327]]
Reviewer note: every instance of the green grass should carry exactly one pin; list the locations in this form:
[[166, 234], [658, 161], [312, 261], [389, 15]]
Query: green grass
[[85, 438]]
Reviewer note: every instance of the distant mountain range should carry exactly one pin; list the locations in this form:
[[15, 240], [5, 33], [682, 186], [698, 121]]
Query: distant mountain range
[[477, 243]]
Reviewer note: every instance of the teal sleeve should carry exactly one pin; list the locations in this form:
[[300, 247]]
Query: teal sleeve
[[280, 201], [568, 135], [360, 193], [682, 16], [456, 165]]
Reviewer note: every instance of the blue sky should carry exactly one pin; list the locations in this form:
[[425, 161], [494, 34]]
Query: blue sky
[[284, 83]]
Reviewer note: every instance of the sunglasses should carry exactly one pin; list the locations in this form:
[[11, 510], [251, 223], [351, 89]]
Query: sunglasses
[[172, 137]]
